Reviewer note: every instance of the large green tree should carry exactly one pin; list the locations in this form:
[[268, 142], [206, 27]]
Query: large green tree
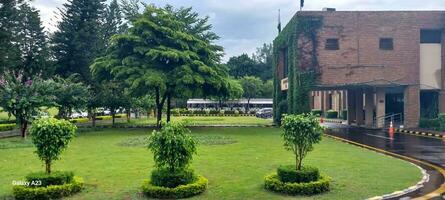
[[252, 88], [168, 52], [24, 99], [71, 94], [9, 51], [77, 40]]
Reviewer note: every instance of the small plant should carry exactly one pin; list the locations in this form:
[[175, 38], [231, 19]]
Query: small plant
[[236, 113], [300, 133], [221, 112], [173, 150], [207, 111], [172, 146], [51, 137]]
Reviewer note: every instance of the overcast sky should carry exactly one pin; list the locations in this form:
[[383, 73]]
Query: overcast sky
[[244, 25]]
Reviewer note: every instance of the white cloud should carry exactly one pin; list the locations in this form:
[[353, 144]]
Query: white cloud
[[245, 24]]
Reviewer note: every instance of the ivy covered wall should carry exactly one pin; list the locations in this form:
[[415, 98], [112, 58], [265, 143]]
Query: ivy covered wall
[[301, 79]]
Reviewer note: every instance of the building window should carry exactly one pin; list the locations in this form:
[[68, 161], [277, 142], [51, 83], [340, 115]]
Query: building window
[[332, 44], [386, 44], [430, 36]]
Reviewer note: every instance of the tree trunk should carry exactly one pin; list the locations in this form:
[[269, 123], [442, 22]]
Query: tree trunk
[[48, 166], [93, 119], [113, 116], [248, 106], [298, 163], [128, 115], [168, 107], [23, 127], [159, 104]]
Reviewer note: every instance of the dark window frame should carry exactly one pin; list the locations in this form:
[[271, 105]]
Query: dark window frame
[[430, 36], [386, 43], [332, 44]]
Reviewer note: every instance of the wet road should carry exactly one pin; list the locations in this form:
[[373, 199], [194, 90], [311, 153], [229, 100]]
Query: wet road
[[425, 149]]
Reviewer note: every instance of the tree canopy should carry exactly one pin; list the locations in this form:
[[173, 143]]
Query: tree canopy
[[168, 52]]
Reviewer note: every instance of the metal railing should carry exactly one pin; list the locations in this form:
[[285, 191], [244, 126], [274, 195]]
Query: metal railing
[[384, 121]]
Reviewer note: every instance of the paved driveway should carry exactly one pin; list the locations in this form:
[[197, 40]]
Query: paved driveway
[[430, 150]]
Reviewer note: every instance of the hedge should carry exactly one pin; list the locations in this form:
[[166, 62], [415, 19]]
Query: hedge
[[344, 114], [182, 191], [9, 121], [273, 183], [7, 127], [441, 121], [166, 178], [50, 192], [108, 117], [55, 178], [79, 120], [332, 114], [429, 123], [288, 174], [317, 112]]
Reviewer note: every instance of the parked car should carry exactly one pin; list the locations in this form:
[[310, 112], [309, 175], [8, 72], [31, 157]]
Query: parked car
[[264, 113]]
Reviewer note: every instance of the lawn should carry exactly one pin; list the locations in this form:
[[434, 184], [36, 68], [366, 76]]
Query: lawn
[[114, 162]]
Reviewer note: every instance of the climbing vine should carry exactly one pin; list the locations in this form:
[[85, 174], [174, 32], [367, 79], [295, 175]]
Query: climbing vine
[[301, 76]]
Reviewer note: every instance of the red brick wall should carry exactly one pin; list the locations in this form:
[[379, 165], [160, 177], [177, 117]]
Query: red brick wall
[[359, 58]]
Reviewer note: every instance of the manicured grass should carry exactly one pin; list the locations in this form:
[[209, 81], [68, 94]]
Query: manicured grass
[[235, 170], [209, 120]]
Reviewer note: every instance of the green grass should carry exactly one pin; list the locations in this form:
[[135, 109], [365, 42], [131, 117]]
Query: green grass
[[208, 120], [235, 170]]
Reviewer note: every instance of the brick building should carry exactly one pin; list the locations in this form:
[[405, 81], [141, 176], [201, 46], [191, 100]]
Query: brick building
[[376, 64]]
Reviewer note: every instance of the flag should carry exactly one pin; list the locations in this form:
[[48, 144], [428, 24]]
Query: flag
[[279, 21]]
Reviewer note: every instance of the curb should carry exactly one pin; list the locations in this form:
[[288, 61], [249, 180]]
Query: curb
[[425, 178], [420, 133]]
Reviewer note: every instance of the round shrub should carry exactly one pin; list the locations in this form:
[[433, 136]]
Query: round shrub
[[273, 183], [331, 114], [289, 174], [165, 178], [55, 178], [182, 191], [49, 192], [236, 113]]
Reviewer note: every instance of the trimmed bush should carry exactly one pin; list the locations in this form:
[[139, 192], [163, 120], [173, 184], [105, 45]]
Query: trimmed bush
[[51, 137], [317, 112], [332, 114], [273, 183], [442, 121], [236, 113], [50, 192], [289, 174], [55, 178], [10, 121], [214, 112], [79, 120], [429, 123], [107, 117], [182, 191], [344, 114], [7, 127], [165, 178]]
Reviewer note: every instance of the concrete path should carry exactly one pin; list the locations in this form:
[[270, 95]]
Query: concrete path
[[428, 153]]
